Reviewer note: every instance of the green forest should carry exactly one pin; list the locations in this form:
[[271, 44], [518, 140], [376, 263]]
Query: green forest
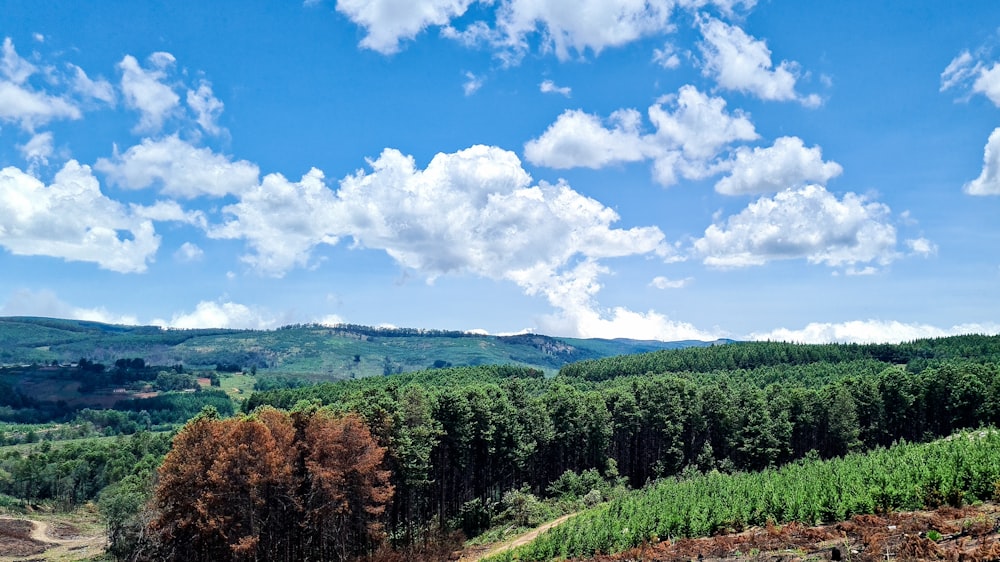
[[681, 442]]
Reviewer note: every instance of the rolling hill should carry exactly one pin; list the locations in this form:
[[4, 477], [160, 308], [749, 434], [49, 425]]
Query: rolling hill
[[310, 350]]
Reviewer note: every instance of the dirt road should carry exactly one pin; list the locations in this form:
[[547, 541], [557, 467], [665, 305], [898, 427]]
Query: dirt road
[[31, 539], [473, 555]]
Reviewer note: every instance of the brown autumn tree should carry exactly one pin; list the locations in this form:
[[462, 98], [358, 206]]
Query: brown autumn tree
[[271, 486]]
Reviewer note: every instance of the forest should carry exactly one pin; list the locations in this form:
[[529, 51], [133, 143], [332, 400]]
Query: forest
[[455, 452]]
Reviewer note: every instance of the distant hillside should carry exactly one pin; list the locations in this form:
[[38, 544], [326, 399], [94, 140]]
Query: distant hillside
[[314, 351]]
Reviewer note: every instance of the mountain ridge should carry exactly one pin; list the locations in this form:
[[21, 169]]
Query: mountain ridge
[[313, 350]]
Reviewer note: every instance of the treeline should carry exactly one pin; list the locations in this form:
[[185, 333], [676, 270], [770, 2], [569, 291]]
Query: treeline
[[76, 472], [370, 331], [963, 469], [460, 438], [917, 355]]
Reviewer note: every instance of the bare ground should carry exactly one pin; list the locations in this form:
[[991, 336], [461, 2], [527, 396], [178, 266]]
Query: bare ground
[[50, 539], [966, 534]]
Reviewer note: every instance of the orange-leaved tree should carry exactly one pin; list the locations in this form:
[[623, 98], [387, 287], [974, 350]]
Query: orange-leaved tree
[[271, 486]]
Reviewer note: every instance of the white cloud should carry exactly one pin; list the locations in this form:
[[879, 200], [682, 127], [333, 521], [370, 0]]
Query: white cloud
[[871, 331], [549, 87], [207, 108], [740, 62], [922, 247], [785, 164], [71, 219], [690, 133], [188, 253], [179, 168], [961, 69], [387, 22], [980, 76], [45, 303], [38, 149], [472, 83], [988, 182], [667, 56], [569, 27], [223, 314], [281, 221], [12, 66], [579, 139], [330, 320], [661, 282], [808, 223], [474, 212], [19, 103], [162, 211], [145, 91], [572, 293], [699, 125], [96, 89]]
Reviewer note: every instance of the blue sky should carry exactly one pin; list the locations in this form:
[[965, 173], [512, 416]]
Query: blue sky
[[659, 169]]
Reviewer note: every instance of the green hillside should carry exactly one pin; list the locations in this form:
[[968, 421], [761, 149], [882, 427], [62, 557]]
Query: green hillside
[[312, 351]]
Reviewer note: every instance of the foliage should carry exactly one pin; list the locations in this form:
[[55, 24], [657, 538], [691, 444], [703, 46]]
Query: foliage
[[75, 472], [960, 469], [270, 486]]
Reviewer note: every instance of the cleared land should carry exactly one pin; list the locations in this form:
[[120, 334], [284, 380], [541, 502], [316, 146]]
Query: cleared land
[[969, 534], [51, 539]]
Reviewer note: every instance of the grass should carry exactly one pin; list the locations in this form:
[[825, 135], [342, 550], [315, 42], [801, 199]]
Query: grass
[[237, 385]]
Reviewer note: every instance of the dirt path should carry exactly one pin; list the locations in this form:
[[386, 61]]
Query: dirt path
[[49, 540], [473, 555]]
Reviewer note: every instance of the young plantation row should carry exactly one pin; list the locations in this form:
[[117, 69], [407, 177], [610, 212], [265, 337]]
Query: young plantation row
[[962, 469]]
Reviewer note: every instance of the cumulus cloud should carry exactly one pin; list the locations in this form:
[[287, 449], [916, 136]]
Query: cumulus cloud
[[549, 87], [281, 221], [71, 219], [207, 108], [222, 314], [691, 129], [145, 91], [565, 28], [179, 169], [739, 62], [21, 104], [698, 125], [473, 212], [330, 320], [579, 139], [806, 223], [988, 182], [570, 28], [787, 163], [921, 247], [871, 331], [387, 22], [46, 304]]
